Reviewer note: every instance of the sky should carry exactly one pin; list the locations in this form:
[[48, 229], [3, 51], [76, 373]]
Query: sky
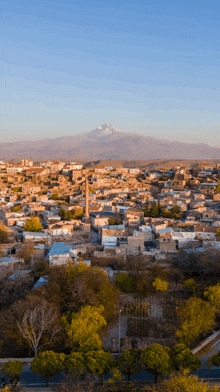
[[146, 66]]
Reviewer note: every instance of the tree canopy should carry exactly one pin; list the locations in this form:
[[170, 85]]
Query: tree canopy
[[33, 224], [212, 293], [183, 358], [160, 285], [83, 327], [156, 360], [129, 362], [12, 370], [197, 316], [48, 364]]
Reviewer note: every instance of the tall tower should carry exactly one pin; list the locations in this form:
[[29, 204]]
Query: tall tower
[[86, 198]]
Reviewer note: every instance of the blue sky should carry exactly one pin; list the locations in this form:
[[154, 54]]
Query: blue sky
[[149, 66]]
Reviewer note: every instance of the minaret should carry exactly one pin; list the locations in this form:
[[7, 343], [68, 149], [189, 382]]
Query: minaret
[[86, 199]]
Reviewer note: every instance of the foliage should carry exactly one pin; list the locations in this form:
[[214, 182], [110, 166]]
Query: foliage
[[12, 370], [113, 222], [176, 212], [33, 224], [17, 189], [98, 362], [3, 235], [191, 285], [40, 269], [215, 359], [183, 383], [16, 209], [156, 360], [75, 364], [83, 328], [217, 234], [73, 214], [183, 358], [124, 282], [55, 196], [218, 188], [160, 285], [197, 316], [212, 293], [26, 251], [48, 364], [129, 362], [166, 213]]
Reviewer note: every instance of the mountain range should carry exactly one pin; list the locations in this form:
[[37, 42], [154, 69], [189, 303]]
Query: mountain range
[[106, 142]]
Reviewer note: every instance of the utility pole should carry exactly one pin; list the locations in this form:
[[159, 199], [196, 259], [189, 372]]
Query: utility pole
[[119, 332]]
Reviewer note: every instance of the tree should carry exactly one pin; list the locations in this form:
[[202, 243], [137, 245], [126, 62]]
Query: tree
[[38, 322], [12, 370], [183, 358], [156, 360], [176, 212], [191, 285], [166, 213], [184, 383], [33, 224], [3, 235], [54, 196], [124, 282], [26, 251], [175, 275], [16, 209], [98, 362], [215, 359], [217, 234], [160, 285], [129, 362], [75, 364], [197, 316], [48, 364], [218, 187], [83, 327], [212, 293]]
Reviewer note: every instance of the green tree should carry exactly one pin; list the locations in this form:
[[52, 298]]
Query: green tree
[[160, 285], [48, 364], [212, 293], [191, 285], [176, 212], [124, 282], [16, 209], [197, 316], [183, 359], [82, 330], [98, 362], [218, 187], [129, 362], [33, 224], [75, 364], [3, 235], [156, 360], [183, 383], [215, 359], [55, 196], [166, 213], [154, 210], [217, 234], [12, 370]]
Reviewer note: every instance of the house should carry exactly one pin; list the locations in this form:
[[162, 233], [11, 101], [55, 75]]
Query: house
[[60, 253], [100, 169], [203, 232], [109, 235], [35, 236], [158, 225]]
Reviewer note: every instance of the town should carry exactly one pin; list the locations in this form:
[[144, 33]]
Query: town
[[148, 239]]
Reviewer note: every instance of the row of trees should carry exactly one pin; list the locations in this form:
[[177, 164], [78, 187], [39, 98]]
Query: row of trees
[[73, 214], [154, 210]]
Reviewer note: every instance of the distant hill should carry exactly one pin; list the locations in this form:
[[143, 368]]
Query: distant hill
[[106, 142]]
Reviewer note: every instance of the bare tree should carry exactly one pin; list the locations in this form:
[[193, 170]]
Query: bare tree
[[37, 323]]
